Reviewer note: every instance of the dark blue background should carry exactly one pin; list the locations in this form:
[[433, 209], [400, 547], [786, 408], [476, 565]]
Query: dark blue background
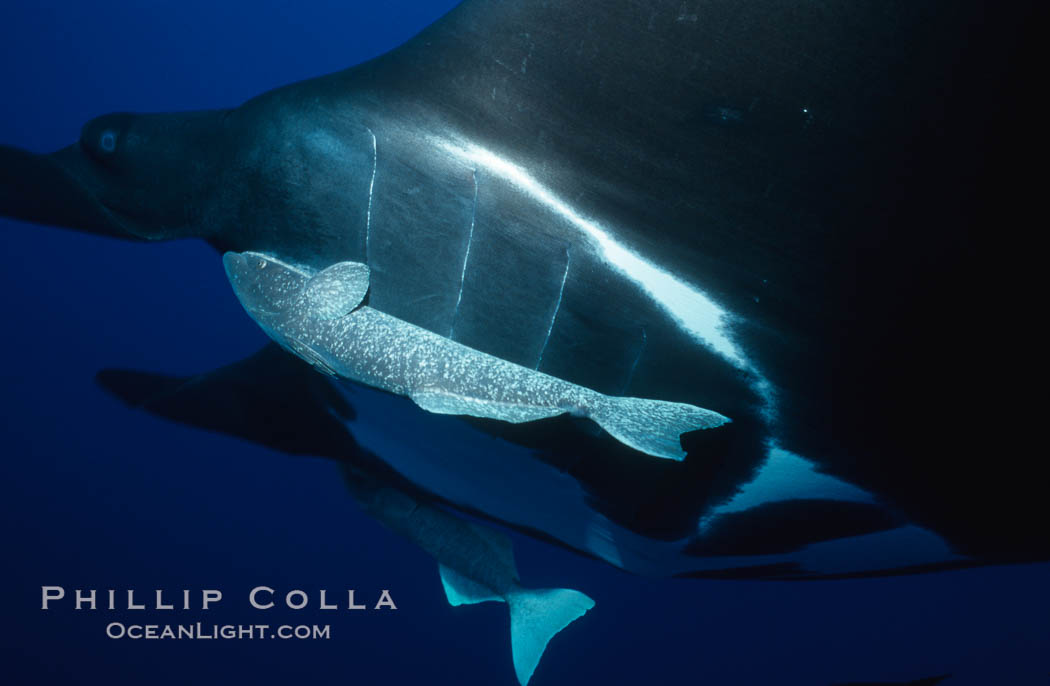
[[98, 496]]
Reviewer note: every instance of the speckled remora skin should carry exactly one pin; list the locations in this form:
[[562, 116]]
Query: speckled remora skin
[[319, 319]]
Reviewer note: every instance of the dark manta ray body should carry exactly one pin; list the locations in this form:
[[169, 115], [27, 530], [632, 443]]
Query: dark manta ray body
[[741, 207]]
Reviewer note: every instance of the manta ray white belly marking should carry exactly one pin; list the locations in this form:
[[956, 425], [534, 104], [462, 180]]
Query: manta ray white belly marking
[[696, 313], [785, 475], [320, 319]]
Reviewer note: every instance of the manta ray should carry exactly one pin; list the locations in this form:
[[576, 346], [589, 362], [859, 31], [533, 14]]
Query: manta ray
[[759, 212]]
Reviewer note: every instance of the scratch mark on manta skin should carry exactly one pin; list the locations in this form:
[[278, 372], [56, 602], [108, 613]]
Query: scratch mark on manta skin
[[684, 15], [371, 187], [423, 298], [525, 60], [557, 306], [466, 256]]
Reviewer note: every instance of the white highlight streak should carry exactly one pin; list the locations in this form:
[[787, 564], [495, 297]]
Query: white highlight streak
[[695, 312], [557, 307], [466, 256], [371, 186]]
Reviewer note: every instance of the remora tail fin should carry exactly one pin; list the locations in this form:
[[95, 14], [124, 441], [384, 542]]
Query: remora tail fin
[[536, 615], [653, 426]]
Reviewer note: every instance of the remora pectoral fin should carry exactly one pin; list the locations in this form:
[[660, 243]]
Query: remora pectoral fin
[[440, 401]]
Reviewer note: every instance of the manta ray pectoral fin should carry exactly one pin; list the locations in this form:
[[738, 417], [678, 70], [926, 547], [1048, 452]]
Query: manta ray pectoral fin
[[270, 398], [653, 426], [337, 290], [440, 401], [462, 591]]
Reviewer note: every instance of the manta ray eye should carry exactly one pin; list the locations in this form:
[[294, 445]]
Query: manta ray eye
[[103, 137], [107, 142]]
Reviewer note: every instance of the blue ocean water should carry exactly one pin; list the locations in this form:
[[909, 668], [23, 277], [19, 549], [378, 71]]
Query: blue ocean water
[[98, 496]]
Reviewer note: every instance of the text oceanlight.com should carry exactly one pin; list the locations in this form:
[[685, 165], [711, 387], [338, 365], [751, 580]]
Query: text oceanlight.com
[[200, 631]]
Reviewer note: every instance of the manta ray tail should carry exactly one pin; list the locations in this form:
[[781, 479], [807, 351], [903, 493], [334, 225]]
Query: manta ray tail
[[653, 426], [536, 615]]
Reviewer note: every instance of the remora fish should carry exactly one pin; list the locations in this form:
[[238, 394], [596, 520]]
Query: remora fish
[[477, 565], [276, 400], [320, 319]]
